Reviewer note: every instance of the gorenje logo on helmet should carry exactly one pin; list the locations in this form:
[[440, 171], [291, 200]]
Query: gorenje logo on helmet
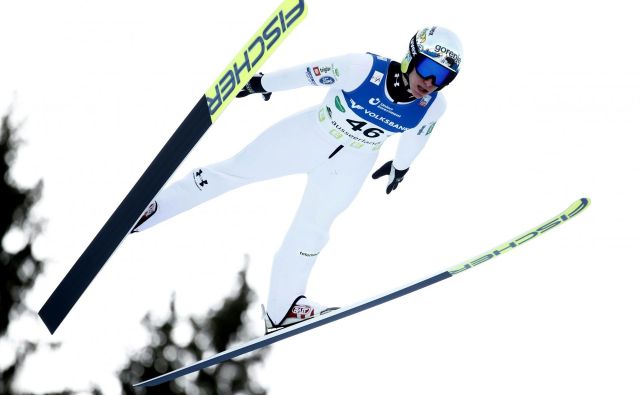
[[441, 49]]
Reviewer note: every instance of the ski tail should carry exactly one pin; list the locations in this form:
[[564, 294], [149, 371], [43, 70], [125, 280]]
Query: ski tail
[[573, 210], [104, 244], [239, 71]]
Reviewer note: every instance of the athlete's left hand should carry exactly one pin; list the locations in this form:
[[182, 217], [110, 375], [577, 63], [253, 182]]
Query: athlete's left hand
[[395, 176], [254, 86]]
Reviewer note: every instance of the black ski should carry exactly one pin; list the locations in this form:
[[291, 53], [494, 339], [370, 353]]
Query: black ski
[[304, 326]]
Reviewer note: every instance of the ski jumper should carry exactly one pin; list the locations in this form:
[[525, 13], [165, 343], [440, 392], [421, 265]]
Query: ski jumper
[[336, 144]]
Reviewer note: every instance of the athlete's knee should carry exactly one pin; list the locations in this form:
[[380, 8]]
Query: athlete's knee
[[307, 241]]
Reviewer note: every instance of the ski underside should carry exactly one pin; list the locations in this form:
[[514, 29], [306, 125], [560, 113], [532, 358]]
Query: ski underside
[[273, 337], [236, 75]]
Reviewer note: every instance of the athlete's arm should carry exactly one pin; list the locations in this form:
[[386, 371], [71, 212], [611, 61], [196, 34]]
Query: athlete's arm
[[254, 86], [345, 72], [413, 140], [411, 144]]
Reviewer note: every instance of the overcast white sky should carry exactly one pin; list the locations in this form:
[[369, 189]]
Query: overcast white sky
[[545, 111]]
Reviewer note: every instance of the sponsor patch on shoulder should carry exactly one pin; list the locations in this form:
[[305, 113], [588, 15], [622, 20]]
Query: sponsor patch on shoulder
[[310, 76], [327, 80]]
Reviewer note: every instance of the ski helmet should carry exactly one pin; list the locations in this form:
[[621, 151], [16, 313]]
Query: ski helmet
[[435, 52]]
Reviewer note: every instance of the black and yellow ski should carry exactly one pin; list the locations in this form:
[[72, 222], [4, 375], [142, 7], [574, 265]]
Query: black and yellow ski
[[243, 66], [576, 208]]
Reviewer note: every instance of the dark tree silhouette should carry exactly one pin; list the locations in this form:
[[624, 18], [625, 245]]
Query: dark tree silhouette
[[215, 331], [18, 269]]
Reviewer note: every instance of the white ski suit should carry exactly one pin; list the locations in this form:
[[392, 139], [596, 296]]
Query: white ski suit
[[335, 144]]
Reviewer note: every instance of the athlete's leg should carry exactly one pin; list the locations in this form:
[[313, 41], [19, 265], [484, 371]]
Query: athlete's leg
[[330, 190], [282, 149]]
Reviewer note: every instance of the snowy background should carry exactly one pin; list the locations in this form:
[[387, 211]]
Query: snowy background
[[545, 111]]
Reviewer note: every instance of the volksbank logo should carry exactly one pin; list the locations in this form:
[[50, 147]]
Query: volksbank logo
[[252, 54], [384, 120], [371, 114], [355, 105]]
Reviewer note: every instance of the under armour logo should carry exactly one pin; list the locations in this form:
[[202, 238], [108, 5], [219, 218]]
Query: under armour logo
[[199, 180], [396, 84]]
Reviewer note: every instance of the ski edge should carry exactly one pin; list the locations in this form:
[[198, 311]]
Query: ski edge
[[573, 210], [276, 28], [111, 235]]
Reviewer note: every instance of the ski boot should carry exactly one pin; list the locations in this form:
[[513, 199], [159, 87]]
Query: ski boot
[[301, 309], [151, 209]]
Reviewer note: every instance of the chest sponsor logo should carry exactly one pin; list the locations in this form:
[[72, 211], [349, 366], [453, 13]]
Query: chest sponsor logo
[[380, 118], [376, 78], [375, 101], [355, 105]]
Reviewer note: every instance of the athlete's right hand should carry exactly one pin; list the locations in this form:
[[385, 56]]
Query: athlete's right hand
[[254, 86]]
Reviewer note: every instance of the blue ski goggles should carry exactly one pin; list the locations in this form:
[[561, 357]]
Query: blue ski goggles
[[429, 68]]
